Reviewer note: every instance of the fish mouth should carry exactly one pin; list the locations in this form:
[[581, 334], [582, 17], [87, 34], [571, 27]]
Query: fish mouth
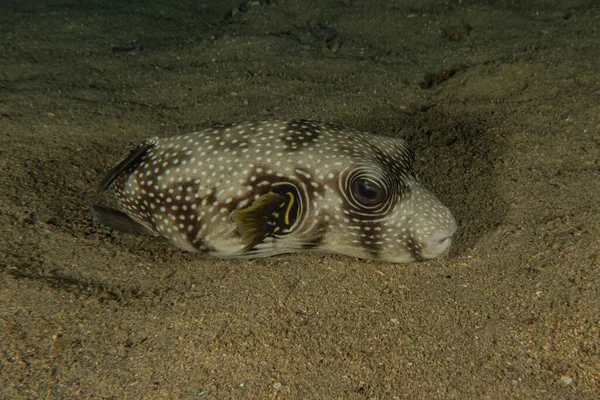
[[437, 243], [436, 246]]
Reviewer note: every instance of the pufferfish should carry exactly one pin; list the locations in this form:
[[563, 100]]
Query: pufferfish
[[258, 189]]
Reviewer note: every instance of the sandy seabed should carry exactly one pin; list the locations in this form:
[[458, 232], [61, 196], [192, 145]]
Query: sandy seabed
[[500, 99]]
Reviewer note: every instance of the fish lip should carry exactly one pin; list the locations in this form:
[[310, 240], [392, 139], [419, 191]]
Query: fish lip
[[437, 245]]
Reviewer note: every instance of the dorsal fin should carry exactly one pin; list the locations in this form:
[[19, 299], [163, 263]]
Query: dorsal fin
[[133, 157]]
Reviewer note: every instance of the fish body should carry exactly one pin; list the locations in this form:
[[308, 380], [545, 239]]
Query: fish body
[[263, 188]]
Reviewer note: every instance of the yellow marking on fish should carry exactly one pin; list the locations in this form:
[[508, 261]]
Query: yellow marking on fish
[[289, 208]]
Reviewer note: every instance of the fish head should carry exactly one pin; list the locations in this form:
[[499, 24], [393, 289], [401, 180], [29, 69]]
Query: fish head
[[374, 207]]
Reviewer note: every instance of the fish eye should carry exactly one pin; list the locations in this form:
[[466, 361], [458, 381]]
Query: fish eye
[[367, 192]]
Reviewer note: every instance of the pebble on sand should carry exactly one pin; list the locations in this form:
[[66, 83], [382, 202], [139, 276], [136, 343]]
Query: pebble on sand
[[566, 380]]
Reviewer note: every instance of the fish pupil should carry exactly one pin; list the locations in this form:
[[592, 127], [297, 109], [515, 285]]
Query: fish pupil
[[367, 192]]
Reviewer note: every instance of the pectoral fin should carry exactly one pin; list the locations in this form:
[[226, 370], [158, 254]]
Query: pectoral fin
[[119, 221], [254, 223]]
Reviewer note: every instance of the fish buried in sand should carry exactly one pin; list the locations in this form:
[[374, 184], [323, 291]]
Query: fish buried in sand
[[262, 188]]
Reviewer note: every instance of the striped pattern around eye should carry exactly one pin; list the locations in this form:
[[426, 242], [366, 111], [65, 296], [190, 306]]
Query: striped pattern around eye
[[375, 178]]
